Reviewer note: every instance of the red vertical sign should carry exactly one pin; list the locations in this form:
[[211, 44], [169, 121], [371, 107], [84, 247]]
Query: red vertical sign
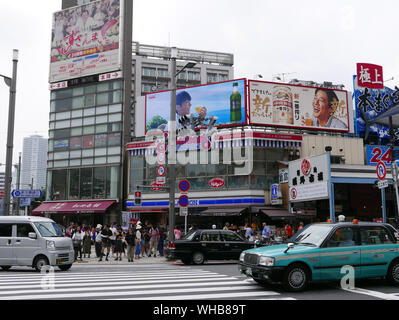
[[370, 76]]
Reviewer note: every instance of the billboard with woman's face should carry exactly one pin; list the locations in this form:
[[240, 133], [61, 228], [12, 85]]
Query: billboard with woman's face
[[86, 40], [225, 101], [280, 104]]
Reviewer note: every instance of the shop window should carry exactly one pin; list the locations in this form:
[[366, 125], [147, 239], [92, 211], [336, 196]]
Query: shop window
[[74, 184], [238, 182], [113, 182], [86, 183], [59, 178], [99, 183]]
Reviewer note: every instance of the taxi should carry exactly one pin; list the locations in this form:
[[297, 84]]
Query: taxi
[[320, 251]]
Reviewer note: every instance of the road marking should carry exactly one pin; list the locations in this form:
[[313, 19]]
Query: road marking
[[376, 294]]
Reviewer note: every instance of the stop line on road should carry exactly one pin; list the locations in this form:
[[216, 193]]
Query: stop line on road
[[165, 284]]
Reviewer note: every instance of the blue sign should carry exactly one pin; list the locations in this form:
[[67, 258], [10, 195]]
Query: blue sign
[[184, 185], [25, 202], [274, 191], [183, 201], [1, 206], [376, 154], [27, 193]]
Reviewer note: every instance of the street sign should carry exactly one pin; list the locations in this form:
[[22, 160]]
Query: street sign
[[184, 186], [381, 170], [183, 211], [382, 184], [183, 201], [1, 193], [157, 186], [27, 193], [25, 202], [161, 180], [161, 171]]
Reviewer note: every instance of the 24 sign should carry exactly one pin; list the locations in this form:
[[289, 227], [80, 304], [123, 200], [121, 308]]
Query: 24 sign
[[376, 154]]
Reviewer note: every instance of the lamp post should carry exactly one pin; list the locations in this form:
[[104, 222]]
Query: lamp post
[[172, 142], [12, 83]]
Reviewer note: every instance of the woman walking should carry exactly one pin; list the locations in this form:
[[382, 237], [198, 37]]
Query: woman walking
[[77, 239], [87, 244], [118, 244]]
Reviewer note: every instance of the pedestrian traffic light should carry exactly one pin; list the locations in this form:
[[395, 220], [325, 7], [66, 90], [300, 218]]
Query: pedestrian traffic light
[[137, 198]]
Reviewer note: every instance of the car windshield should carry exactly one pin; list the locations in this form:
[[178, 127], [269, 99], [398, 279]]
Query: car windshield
[[313, 235], [190, 235], [49, 229]]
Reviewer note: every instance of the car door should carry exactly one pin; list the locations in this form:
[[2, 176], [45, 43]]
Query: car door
[[212, 245], [7, 257], [377, 251], [340, 249], [233, 245], [24, 247]]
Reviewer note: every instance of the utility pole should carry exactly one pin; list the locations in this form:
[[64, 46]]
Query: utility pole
[[19, 179], [12, 83]]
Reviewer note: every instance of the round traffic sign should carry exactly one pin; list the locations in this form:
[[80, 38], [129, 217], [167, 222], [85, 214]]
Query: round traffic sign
[[381, 170], [184, 185], [306, 167], [183, 201], [161, 171], [294, 194]]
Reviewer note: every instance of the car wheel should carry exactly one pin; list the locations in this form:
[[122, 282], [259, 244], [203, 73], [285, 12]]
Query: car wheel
[[198, 258], [393, 273], [6, 268], [186, 261], [40, 262], [65, 267], [296, 278]]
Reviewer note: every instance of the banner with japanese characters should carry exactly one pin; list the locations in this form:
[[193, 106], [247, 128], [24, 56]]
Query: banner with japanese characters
[[369, 104], [86, 40], [284, 105]]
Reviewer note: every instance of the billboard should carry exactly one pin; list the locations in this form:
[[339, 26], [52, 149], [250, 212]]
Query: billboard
[[284, 105], [224, 100], [308, 178], [86, 40]]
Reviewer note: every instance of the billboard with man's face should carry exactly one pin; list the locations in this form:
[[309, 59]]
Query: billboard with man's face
[[86, 40], [280, 104], [225, 101]]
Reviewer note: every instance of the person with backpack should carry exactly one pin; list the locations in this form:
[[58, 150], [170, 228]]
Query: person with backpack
[[131, 244]]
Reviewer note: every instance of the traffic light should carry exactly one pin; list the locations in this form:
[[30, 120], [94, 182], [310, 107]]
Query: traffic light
[[137, 198]]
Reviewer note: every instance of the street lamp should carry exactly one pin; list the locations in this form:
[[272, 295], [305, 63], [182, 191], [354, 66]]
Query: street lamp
[[12, 83], [172, 141]]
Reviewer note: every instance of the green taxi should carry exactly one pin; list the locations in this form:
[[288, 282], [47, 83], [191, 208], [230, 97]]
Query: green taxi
[[319, 251]]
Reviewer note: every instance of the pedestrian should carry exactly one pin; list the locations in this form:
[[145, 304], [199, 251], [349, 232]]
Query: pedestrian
[[113, 237], [288, 230], [98, 240], [226, 226], [69, 230], [118, 244], [162, 238], [106, 234], [138, 240], [87, 243], [131, 244], [177, 233], [266, 233], [300, 226], [77, 239], [146, 243], [153, 233], [249, 233]]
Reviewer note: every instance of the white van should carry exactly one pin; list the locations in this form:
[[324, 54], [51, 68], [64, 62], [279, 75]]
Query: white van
[[33, 242]]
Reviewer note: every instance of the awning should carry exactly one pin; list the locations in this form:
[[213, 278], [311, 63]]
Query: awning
[[73, 207], [278, 213], [220, 212]]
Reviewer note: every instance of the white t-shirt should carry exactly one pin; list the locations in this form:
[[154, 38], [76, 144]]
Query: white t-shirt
[[114, 231]]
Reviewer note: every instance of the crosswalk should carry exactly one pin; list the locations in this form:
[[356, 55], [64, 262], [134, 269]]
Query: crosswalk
[[132, 284]]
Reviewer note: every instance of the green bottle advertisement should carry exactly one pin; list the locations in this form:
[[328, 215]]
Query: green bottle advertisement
[[235, 104]]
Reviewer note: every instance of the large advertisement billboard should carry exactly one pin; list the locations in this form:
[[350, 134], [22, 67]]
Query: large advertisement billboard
[[86, 40], [224, 100], [284, 105]]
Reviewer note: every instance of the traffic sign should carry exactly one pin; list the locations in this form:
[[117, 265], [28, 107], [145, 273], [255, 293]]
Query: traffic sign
[[157, 186], [184, 185], [161, 158], [1, 193], [183, 201], [27, 193], [161, 180], [25, 202], [381, 170], [183, 212], [382, 184], [161, 171]]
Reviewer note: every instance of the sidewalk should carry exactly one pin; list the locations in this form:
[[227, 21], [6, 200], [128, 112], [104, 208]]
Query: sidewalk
[[93, 260]]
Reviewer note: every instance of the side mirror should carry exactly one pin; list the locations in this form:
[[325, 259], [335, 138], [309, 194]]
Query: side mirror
[[289, 246], [32, 235]]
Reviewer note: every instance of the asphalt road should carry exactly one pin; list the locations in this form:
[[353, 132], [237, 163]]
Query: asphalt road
[[170, 281]]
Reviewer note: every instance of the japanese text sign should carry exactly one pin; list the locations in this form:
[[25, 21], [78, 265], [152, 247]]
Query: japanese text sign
[[370, 76]]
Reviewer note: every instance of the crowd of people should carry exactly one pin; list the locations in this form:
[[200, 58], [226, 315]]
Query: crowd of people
[[111, 242]]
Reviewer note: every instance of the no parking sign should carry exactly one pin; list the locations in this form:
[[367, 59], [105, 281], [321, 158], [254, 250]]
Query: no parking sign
[[381, 170]]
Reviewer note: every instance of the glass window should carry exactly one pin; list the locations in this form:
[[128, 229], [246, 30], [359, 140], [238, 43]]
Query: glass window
[[59, 178], [24, 229], [102, 128], [104, 86], [5, 230], [102, 110], [59, 164], [89, 112], [88, 130], [75, 154], [52, 106], [75, 143], [51, 134], [103, 98], [87, 162], [88, 153], [114, 159], [116, 84], [61, 155], [90, 89], [62, 124], [74, 163], [374, 235], [114, 150], [230, 236], [77, 113], [76, 132], [62, 115], [63, 105], [74, 184], [77, 123], [49, 229], [112, 127], [113, 182], [78, 102], [61, 144], [102, 119], [343, 237], [115, 117], [61, 94], [50, 145], [259, 168], [88, 141], [88, 121], [149, 72], [86, 183], [137, 163], [238, 182], [196, 170], [101, 160], [100, 152], [223, 77], [90, 100], [99, 183], [163, 73], [100, 140], [50, 156], [115, 108], [77, 91], [210, 236], [114, 139], [116, 96], [212, 77]]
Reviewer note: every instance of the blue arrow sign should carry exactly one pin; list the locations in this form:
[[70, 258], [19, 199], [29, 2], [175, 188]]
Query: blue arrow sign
[[27, 193]]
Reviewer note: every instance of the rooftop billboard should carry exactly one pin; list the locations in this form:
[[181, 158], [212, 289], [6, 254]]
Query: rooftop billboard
[[86, 40], [284, 105]]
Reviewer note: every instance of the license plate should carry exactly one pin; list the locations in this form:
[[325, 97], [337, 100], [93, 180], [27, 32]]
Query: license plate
[[248, 271]]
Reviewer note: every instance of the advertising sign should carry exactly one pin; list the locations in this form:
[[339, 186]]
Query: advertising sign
[[278, 104], [225, 100], [371, 103], [376, 154], [86, 40], [1, 206], [308, 178], [370, 76]]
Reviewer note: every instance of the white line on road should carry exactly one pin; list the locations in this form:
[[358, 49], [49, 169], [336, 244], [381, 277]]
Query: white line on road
[[376, 294]]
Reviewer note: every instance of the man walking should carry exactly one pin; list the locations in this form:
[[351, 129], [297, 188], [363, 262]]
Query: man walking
[[98, 240], [265, 233], [106, 235]]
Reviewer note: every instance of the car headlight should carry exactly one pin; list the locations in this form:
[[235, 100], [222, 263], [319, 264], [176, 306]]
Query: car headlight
[[50, 245], [266, 261], [242, 257]]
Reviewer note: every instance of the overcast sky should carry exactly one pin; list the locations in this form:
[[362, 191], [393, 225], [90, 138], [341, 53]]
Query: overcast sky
[[309, 40]]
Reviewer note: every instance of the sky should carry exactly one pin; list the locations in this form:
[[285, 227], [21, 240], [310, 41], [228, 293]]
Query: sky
[[307, 40]]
